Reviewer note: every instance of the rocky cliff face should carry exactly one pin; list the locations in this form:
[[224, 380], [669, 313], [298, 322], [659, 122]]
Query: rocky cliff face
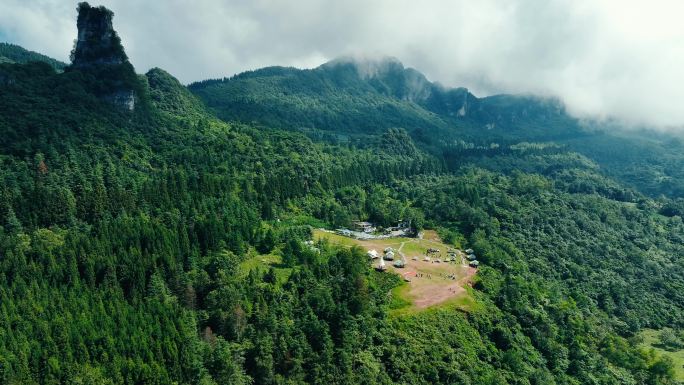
[[98, 50], [124, 99], [98, 42]]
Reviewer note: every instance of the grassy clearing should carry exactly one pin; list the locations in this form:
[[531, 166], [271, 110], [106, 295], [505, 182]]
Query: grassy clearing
[[431, 284], [651, 341], [399, 295], [265, 262], [334, 238]]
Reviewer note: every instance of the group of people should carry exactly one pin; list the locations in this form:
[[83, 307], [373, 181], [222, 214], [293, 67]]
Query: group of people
[[429, 276]]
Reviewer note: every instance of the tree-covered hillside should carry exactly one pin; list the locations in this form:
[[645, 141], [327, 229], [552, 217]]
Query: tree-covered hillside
[[347, 96], [133, 242], [11, 53], [329, 102], [346, 99]]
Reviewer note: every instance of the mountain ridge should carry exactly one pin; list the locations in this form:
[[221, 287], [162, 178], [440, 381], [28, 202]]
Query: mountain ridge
[[171, 245], [12, 53], [345, 100], [381, 84]]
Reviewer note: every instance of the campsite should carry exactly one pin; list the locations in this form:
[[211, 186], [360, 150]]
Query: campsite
[[429, 281]]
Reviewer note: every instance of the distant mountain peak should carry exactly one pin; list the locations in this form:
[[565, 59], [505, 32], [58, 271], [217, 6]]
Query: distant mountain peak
[[369, 66], [169, 95], [388, 75], [12, 53]]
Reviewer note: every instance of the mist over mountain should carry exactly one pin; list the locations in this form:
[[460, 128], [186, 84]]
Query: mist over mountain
[[606, 60], [348, 99], [352, 223], [403, 97]]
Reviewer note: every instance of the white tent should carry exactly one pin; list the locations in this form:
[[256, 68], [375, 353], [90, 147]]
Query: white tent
[[389, 255], [381, 264], [401, 262], [372, 254]]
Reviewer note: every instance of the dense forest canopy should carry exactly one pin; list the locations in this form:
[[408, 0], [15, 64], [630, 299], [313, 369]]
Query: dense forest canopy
[[344, 101], [128, 238]]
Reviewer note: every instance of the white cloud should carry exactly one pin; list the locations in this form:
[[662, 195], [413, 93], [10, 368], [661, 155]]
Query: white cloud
[[604, 58]]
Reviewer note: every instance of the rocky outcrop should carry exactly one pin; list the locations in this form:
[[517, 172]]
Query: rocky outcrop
[[98, 50], [124, 99], [97, 42]]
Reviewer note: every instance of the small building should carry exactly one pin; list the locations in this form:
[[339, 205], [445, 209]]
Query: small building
[[471, 257], [364, 227], [372, 254], [399, 263], [469, 251], [401, 225], [474, 263]]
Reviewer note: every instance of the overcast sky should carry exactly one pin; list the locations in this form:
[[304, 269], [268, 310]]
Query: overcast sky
[[622, 59]]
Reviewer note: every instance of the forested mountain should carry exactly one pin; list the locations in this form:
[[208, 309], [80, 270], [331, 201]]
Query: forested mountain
[[128, 233], [10, 53], [348, 99], [351, 96]]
